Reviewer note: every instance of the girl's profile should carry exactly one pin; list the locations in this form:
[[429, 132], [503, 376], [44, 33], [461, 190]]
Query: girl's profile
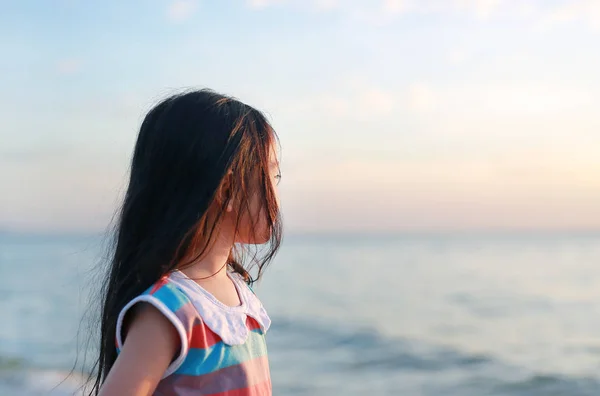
[[178, 314]]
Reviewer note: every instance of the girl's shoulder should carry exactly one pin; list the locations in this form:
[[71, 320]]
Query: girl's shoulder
[[175, 305], [199, 318], [166, 293], [165, 296]]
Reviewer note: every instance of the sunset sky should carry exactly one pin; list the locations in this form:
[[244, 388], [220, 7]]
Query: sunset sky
[[393, 115]]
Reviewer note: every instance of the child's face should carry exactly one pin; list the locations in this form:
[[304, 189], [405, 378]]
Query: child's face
[[262, 232]]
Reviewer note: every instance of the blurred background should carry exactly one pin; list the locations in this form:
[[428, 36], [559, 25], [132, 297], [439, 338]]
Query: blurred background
[[441, 182]]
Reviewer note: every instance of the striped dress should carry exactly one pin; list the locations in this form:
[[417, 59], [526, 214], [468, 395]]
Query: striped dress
[[223, 350]]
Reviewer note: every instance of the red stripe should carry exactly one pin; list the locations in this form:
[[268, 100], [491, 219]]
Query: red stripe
[[202, 337], [262, 389], [251, 323], [163, 281]]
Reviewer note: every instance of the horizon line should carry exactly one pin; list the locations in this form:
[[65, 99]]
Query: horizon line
[[491, 231]]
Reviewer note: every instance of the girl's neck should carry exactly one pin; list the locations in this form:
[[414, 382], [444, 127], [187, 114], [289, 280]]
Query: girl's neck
[[213, 263]]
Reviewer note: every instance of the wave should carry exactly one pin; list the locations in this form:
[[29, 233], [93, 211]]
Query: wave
[[543, 385], [412, 365], [369, 350], [351, 361], [11, 363], [39, 382]]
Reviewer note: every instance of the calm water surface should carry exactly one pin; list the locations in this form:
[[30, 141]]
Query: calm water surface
[[390, 315]]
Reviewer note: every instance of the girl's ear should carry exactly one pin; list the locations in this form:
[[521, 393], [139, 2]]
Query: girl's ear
[[224, 195]]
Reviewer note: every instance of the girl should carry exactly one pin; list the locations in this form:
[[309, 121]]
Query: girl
[[178, 315]]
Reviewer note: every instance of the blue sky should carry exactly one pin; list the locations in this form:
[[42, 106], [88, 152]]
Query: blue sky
[[393, 115]]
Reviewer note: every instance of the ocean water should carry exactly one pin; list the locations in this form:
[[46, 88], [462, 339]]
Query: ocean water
[[452, 315]]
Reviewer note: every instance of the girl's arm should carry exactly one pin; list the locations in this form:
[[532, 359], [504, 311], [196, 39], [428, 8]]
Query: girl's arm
[[149, 348]]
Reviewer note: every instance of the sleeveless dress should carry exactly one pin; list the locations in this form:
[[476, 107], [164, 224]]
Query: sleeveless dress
[[223, 349]]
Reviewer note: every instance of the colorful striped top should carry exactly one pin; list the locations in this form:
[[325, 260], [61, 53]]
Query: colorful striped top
[[223, 350]]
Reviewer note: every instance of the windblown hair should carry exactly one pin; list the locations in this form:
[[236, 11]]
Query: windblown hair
[[188, 146]]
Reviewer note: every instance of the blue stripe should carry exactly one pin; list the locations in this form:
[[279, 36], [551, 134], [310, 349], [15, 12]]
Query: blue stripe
[[204, 361], [171, 296]]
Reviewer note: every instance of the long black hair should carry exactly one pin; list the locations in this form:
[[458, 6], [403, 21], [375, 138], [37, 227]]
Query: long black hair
[[187, 146]]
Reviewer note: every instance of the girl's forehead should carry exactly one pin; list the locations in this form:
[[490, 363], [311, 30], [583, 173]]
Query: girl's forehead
[[273, 157], [274, 163]]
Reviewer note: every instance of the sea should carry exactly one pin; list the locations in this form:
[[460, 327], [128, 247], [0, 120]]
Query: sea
[[498, 314]]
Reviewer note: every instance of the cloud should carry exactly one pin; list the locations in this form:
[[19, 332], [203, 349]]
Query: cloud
[[587, 11], [319, 5], [490, 105], [516, 99], [326, 4], [539, 13], [352, 100], [421, 98], [69, 65], [483, 9], [543, 13], [181, 10], [395, 6], [263, 3], [377, 101], [520, 190], [457, 56]]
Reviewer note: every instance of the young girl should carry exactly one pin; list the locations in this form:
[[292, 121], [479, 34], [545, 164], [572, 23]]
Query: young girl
[[178, 315]]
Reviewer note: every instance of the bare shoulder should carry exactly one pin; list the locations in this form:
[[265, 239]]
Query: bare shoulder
[[150, 344], [148, 326]]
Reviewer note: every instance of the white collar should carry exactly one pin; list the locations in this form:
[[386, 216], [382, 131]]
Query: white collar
[[227, 322]]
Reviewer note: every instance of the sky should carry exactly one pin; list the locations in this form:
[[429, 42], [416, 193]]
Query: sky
[[393, 115]]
